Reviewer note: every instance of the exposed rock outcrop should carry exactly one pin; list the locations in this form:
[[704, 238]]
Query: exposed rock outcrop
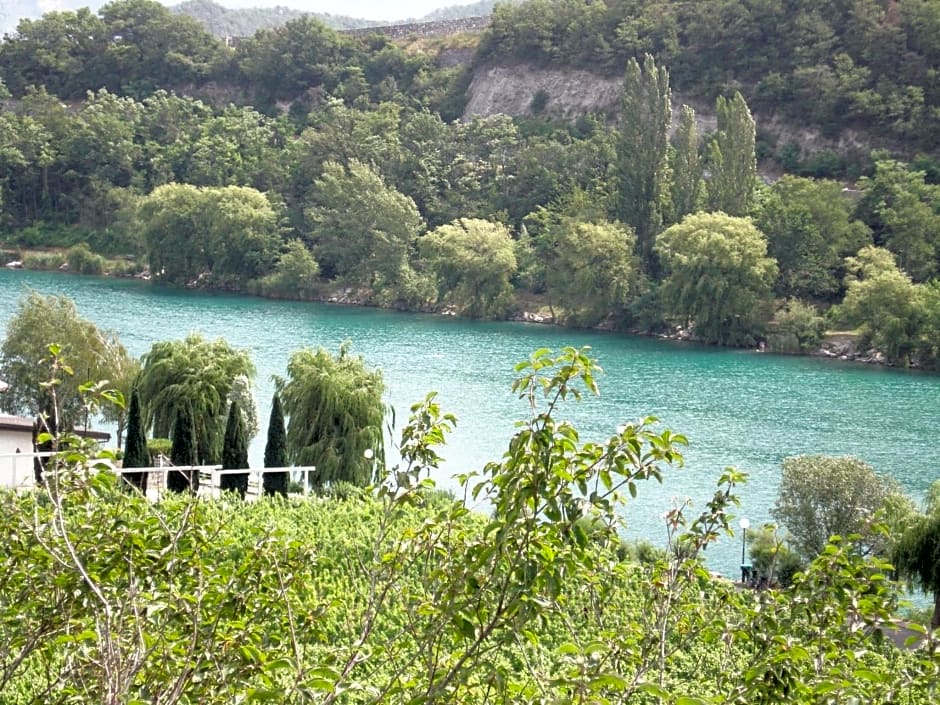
[[566, 94]]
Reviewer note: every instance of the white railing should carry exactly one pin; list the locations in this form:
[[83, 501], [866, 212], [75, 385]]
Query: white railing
[[16, 471]]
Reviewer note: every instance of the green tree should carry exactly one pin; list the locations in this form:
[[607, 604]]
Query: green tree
[[183, 452], [295, 275], [151, 47], [275, 451], [889, 309], [61, 50], [473, 262], [362, 230], [135, 448], [822, 496], [903, 210], [235, 148], [731, 159], [591, 269], [235, 452], [91, 353], [221, 236], [771, 557], [917, 554], [123, 370], [797, 327], [335, 412], [284, 62], [195, 375], [241, 394], [718, 277], [912, 224], [642, 151], [810, 232], [686, 166]]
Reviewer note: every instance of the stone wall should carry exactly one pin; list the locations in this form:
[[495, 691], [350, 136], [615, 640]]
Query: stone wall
[[424, 30]]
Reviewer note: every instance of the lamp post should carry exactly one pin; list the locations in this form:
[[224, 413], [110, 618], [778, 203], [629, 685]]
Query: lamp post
[[369, 455], [745, 524]]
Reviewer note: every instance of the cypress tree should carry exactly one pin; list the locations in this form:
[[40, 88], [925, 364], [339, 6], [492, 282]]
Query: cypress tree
[[135, 446], [235, 452], [183, 452], [275, 451]]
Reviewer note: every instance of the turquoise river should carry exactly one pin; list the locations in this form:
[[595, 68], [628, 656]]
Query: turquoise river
[[738, 408]]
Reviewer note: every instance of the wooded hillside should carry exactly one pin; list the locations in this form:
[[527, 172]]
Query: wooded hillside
[[314, 161]]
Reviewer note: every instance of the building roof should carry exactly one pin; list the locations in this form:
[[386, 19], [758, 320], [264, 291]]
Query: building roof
[[21, 423], [3, 386]]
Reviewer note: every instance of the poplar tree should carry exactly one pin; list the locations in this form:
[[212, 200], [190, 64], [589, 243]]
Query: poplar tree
[[642, 151], [686, 166], [275, 451], [732, 160], [183, 452], [235, 452], [135, 446]]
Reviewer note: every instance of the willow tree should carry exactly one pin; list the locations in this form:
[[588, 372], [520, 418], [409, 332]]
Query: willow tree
[[718, 277], [642, 151], [917, 558], [335, 413], [473, 262], [362, 228], [91, 353], [592, 269], [197, 374]]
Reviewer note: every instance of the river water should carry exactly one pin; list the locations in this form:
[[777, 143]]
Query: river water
[[738, 408]]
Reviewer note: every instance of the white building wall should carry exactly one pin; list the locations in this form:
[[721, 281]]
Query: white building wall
[[16, 469]]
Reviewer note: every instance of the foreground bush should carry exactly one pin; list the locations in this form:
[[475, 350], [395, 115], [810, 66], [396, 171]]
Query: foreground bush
[[406, 596]]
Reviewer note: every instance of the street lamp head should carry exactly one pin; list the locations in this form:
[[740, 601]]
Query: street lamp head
[[745, 523], [367, 454]]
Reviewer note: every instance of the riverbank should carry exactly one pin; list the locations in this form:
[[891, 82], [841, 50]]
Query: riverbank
[[841, 345]]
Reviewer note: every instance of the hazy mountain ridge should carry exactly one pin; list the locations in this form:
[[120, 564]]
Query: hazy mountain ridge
[[222, 21]]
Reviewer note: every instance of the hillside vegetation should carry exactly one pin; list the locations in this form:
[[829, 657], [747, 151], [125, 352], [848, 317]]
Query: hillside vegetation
[[835, 64], [320, 165], [402, 595], [222, 22]]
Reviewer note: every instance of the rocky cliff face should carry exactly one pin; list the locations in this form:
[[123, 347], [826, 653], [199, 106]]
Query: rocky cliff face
[[567, 94], [512, 90]]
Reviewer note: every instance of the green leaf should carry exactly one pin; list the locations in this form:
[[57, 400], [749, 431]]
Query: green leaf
[[653, 689], [265, 695], [609, 680]]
